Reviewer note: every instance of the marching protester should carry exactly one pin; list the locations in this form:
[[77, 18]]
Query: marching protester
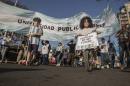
[[5, 46], [59, 53], [44, 52], [49, 49], [34, 35], [104, 53], [123, 41], [112, 54], [49, 46], [65, 57], [86, 26], [22, 55], [71, 45]]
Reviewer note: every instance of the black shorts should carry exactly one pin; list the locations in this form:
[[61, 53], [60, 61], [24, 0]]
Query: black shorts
[[33, 48]]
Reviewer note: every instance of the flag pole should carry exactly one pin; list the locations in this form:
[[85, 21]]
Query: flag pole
[[16, 1]]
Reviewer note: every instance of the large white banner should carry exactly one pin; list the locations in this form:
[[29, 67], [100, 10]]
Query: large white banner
[[53, 30], [19, 20]]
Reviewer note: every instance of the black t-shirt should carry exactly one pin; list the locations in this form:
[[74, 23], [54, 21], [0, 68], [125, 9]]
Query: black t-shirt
[[25, 42], [71, 47]]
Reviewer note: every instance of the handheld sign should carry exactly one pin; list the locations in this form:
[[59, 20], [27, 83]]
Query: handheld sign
[[87, 42]]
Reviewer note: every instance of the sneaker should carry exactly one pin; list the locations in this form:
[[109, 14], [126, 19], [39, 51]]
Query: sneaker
[[98, 66], [6, 61], [0, 61], [102, 67], [107, 66], [58, 65], [122, 67], [27, 63]]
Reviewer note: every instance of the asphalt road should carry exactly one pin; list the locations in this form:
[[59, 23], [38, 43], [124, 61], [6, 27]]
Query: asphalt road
[[19, 75]]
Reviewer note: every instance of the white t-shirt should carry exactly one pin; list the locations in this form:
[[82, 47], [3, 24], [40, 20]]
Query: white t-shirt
[[6, 40], [59, 48], [34, 40], [105, 47], [3, 40], [45, 49]]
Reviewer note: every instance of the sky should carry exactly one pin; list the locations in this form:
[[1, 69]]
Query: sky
[[68, 8]]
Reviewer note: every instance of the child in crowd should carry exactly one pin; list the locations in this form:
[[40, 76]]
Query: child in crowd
[[65, 57], [104, 53], [44, 52], [59, 53], [22, 50], [34, 35], [112, 54]]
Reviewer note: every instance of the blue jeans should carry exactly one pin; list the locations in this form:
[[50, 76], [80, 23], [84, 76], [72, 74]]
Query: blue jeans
[[112, 57], [123, 51], [104, 58], [59, 57], [4, 52], [45, 60]]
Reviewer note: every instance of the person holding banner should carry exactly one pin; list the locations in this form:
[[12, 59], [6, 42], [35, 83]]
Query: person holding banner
[[88, 36], [123, 46], [34, 35], [87, 28]]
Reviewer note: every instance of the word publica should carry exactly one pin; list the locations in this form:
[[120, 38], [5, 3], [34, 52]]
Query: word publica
[[68, 28]]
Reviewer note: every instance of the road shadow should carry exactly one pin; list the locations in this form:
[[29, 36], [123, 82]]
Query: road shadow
[[5, 70], [126, 70]]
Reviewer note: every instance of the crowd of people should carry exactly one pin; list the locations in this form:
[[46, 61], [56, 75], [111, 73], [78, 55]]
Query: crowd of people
[[29, 54], [7, 40]]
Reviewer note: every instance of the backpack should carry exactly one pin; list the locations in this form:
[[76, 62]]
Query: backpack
[[53, 60]]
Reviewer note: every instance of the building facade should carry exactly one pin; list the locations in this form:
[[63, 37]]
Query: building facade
[[124, 15]]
